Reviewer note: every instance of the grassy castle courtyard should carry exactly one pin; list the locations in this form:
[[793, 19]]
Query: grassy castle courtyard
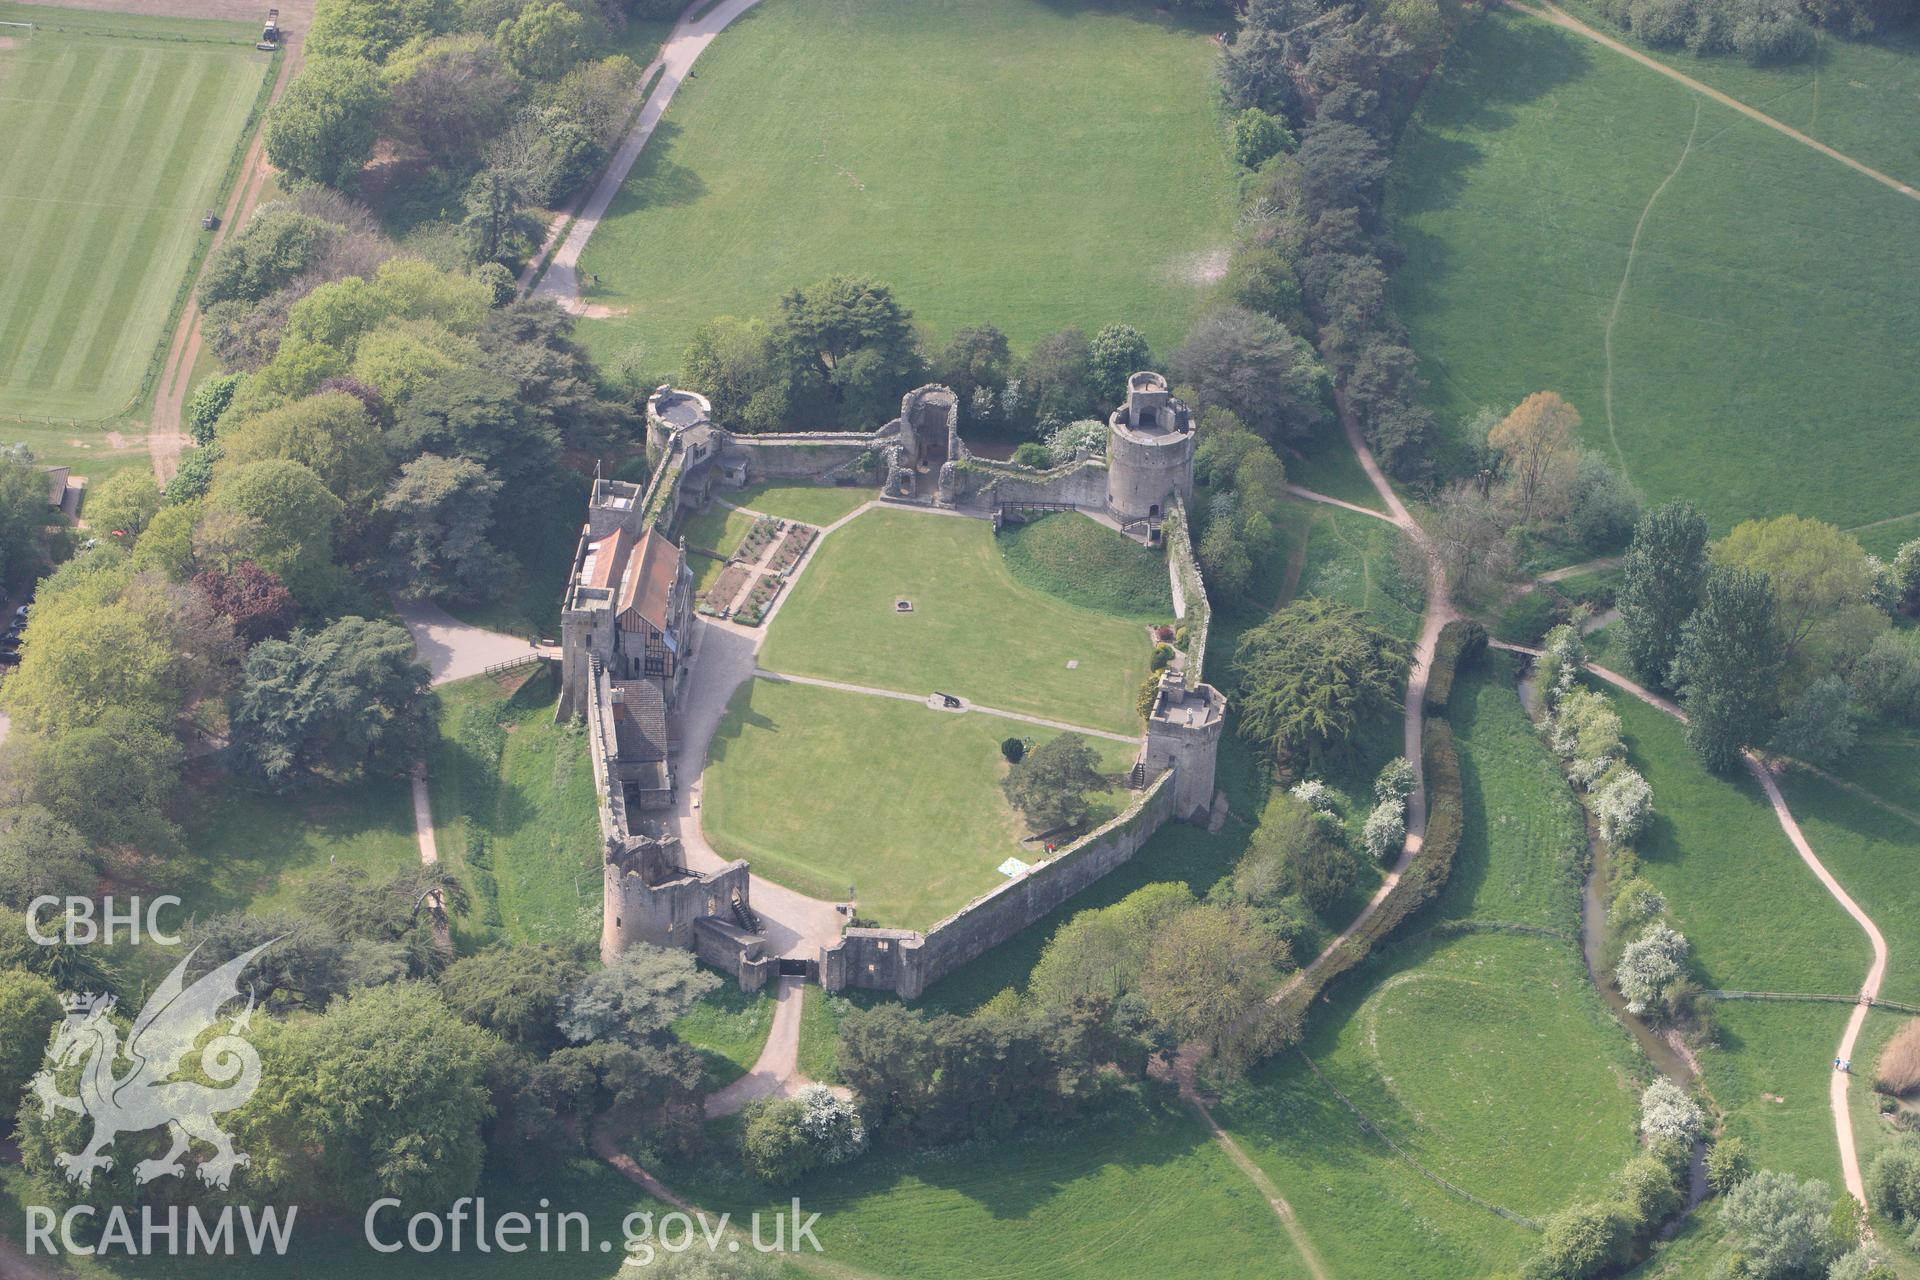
[[870, 790]]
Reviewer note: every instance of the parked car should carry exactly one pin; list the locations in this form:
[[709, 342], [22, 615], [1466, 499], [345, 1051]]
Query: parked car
[[20, 614], [9, 657]]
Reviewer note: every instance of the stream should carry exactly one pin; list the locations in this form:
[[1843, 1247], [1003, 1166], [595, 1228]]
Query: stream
[[1665, 1056]]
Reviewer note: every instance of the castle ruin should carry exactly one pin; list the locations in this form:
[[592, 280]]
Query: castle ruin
[[629, 649]]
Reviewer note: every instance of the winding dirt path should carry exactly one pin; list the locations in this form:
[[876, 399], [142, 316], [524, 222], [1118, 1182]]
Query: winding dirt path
[[1620, 294], [1559, 17], [1439, 612], [165, 439], [1869, 989]]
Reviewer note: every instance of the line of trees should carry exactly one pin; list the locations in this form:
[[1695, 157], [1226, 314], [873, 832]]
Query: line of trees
[[840, 353], [480, 110], [1776, 637]]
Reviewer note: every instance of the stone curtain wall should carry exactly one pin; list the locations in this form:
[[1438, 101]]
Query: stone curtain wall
[[907, 963], [1189, 590]]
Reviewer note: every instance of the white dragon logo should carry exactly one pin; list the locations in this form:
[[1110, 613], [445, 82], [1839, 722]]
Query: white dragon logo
[[147, 1096]]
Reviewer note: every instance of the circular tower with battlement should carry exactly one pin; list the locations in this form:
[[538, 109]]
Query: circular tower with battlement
[[1149, 451]]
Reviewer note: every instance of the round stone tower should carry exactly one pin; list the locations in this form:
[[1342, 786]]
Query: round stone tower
[[670, 409], [1149, 451]]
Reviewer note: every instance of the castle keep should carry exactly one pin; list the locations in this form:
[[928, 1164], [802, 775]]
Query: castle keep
[[630, 651]]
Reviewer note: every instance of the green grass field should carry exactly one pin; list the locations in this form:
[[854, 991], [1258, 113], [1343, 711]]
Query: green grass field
[[974, 630], [1756, 355], [1083, 562], [1352, 558], [729, 1027], [822, 789], [1853, 94], [1012, 162], [718, 529], [1489, 1060], [114, 139], [1872, 852], [1488, 1057], [245, 848], [1523, 847], [1757, 918], [532, 805], [815, 504], [1140, 1189]]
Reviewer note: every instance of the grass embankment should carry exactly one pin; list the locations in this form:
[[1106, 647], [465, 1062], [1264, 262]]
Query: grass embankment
[[116, 135], [974, 631], [729, 1027], [824, 789], [246, 848], [1054, 200], [1081, 561], [514, 809], [1519, 235], [1464, 1049]]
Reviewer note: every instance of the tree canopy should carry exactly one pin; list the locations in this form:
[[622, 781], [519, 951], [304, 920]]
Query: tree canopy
[[1311, 673]]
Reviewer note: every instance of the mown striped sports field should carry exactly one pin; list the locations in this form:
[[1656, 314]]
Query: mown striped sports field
[[116, 136]]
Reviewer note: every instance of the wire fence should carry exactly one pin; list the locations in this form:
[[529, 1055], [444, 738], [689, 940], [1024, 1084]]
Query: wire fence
[[1818, 997]]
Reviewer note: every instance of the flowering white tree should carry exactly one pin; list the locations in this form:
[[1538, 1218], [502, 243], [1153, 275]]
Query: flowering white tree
[[1385, 833], [1562, 658], [1622, 804], [1315, 794], [1395, 781], [1649, 966], [832, 1124], [1586, 728], [1667, 1112], [1087, 435]]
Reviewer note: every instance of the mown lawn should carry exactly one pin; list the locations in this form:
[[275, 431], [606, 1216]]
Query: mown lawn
[[824, 789], [115, 137], [514, 788], [1140, 1189], [717, 529], [1008, 162], [1077, 559], [1757, 357], [815, 504], [974, 630]]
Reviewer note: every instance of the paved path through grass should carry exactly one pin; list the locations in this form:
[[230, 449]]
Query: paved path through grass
[[1561, 18], [689, 39], [780, 678], [776, 1072]]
